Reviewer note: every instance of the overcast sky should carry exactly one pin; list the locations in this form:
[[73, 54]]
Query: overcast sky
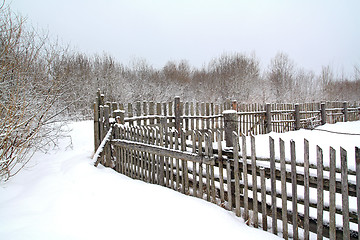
[[312, 33]]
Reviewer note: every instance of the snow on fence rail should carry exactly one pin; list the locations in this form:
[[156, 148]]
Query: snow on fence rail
[[191, 156]]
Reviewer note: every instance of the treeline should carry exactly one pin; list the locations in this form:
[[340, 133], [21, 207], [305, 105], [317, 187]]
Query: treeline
[[231, 76], [42, 83]]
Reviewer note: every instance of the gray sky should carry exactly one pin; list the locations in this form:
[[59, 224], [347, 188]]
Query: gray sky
[[312, 33]]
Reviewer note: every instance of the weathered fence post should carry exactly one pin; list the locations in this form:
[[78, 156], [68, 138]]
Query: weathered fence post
[[268, 118], [177, 113], [138, 112], [230, 122], [234, 105], [345, 111], [108, 162], [130, 113], [119, 116], [323, 113], [297, 116], [151, 111], [114, 107]]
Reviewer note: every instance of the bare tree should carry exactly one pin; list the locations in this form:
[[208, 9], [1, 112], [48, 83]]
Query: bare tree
[[281, 77]]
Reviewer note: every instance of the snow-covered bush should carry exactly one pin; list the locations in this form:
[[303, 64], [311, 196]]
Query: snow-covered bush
[[28, 93]]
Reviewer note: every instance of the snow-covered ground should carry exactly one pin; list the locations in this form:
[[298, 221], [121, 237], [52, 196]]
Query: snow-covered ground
[[345, 135], [61, 195]]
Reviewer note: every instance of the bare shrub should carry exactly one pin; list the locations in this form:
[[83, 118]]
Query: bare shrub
[[28, 93]]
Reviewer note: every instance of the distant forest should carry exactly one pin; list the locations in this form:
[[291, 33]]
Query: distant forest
[[232, 76]]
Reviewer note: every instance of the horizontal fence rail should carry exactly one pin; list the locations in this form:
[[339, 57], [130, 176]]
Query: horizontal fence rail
[[201, 150]]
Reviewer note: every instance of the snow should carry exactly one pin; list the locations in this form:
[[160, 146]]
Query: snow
[[318, 136], [229, 111], [61, 195]]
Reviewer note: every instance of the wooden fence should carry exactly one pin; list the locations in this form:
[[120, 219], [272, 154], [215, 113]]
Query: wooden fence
[[274, 194]]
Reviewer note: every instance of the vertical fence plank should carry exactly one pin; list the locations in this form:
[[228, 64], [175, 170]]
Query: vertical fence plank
[[297, 116], [207, 113], [194, 182], [345, 111], [320, 192], [283, 189], [197, 112], [186, 127], [116, 149], [202, 105], [207, 137], [192, 113], [153, 157], [294, 190], [123, 131], [132, 153], [101, 123], [184, 167], [172, 163], [158, 112], [263, 198], [221, 167], [357, 162], [130, 113], [142, 155], [273, 185], [138, 153], [151, 112], [306, 189], [145, 111], [96, 125], [177, 114], [245, 177], [332, 193], [323, 113], [138, 112], [268, 118], [236, 173], [201, 190], [228, 185], [161, 158], [212, 177], [177, 162], [148, 155], [122, 153], [254, 181], [345, 193]]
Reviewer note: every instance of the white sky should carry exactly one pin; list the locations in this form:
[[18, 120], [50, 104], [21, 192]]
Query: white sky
[[312, 33]]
